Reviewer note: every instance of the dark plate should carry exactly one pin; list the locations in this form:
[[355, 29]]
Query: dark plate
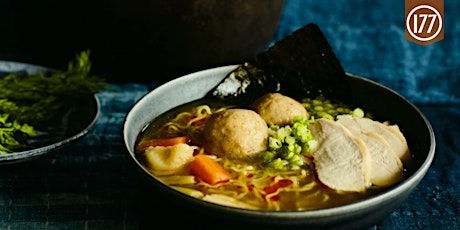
[[68, 126]]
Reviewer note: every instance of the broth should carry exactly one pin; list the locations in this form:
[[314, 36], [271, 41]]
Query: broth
[[252, 184]]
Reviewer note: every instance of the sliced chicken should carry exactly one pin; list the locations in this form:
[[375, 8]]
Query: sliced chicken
[[386, 167], [341, 160], [390, 133]]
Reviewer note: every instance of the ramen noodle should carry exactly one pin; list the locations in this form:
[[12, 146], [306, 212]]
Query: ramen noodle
[[277, 179]]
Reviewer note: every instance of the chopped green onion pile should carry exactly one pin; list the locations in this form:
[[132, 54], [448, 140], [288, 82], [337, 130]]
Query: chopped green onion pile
[[289, 146]]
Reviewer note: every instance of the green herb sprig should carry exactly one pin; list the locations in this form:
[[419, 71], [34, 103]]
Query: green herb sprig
[[29, 99]]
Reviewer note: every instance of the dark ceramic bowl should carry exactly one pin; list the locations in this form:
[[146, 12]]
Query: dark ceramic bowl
[[371, 95], [177, 37], [130, 38]]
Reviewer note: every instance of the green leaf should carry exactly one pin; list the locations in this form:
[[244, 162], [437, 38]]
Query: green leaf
[[26, 100]]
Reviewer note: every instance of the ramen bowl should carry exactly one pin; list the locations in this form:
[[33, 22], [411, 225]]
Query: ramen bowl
[[358, 215]]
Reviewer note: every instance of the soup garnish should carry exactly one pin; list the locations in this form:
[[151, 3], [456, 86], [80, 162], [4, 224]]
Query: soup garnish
[[315, 161]]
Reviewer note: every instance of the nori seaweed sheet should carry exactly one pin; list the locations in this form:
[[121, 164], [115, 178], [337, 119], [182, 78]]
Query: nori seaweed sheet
[[300, 65]]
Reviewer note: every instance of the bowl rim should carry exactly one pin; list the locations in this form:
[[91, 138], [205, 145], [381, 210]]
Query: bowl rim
[[408, 183]]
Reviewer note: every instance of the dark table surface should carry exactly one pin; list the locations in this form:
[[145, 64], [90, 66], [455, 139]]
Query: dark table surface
[[91, 185]]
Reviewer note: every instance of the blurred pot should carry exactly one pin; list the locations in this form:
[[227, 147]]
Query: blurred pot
[[138, 40], [147, 40]]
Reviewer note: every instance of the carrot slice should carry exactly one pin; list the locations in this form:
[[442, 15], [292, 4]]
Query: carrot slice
[[208, 170], [144, 144]]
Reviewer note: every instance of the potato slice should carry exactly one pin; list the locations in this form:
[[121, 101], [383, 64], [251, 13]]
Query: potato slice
[[168, 159]]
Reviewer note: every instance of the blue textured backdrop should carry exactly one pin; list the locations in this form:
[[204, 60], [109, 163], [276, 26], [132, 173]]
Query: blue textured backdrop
[[368, 38]]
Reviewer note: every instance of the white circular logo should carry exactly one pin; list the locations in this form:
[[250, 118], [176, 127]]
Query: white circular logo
[[427, 22]]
